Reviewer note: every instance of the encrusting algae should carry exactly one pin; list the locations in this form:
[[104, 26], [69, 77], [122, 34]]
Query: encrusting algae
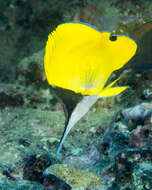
[[78, 179], [80, 58]]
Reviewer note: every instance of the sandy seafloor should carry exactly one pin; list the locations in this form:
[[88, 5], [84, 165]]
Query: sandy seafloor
[[107, 149]]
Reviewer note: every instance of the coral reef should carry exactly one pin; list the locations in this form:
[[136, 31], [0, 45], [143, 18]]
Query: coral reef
[[110, 148], [126, 149]]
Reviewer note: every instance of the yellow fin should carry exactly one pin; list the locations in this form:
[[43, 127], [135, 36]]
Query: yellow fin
[[112, 91], [80, 58], [112, 83]]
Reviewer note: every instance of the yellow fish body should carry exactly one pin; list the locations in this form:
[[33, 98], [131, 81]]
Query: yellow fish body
[[80, 58]]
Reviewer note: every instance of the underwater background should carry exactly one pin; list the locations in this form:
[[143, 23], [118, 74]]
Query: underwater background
[[110, 148]]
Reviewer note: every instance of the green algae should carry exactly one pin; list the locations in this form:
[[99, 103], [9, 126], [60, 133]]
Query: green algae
[[42, 125], [78, 179]]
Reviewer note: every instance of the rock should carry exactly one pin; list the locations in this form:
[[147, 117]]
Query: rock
[[52, 182], [141, 114], [126, 150], [78, 179], [35, 166], [84, 160]]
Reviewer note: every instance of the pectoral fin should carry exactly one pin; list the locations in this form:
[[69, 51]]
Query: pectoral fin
[[112, 91]]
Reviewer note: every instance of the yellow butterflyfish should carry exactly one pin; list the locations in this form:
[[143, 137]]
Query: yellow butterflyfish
[[80, 58]]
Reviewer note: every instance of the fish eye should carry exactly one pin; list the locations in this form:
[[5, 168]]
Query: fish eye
[[113, 38]]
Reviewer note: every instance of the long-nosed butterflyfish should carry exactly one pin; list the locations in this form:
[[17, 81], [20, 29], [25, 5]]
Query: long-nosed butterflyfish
[[79, 58]]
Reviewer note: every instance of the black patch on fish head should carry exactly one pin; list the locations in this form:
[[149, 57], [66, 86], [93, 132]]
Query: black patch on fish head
[[113, 38]]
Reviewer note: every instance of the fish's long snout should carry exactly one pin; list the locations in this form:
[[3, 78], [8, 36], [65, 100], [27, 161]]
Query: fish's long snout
[[80, 110], [67, 130]]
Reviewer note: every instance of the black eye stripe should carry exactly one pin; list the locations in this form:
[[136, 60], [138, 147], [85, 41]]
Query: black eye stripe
[[113, 38]]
